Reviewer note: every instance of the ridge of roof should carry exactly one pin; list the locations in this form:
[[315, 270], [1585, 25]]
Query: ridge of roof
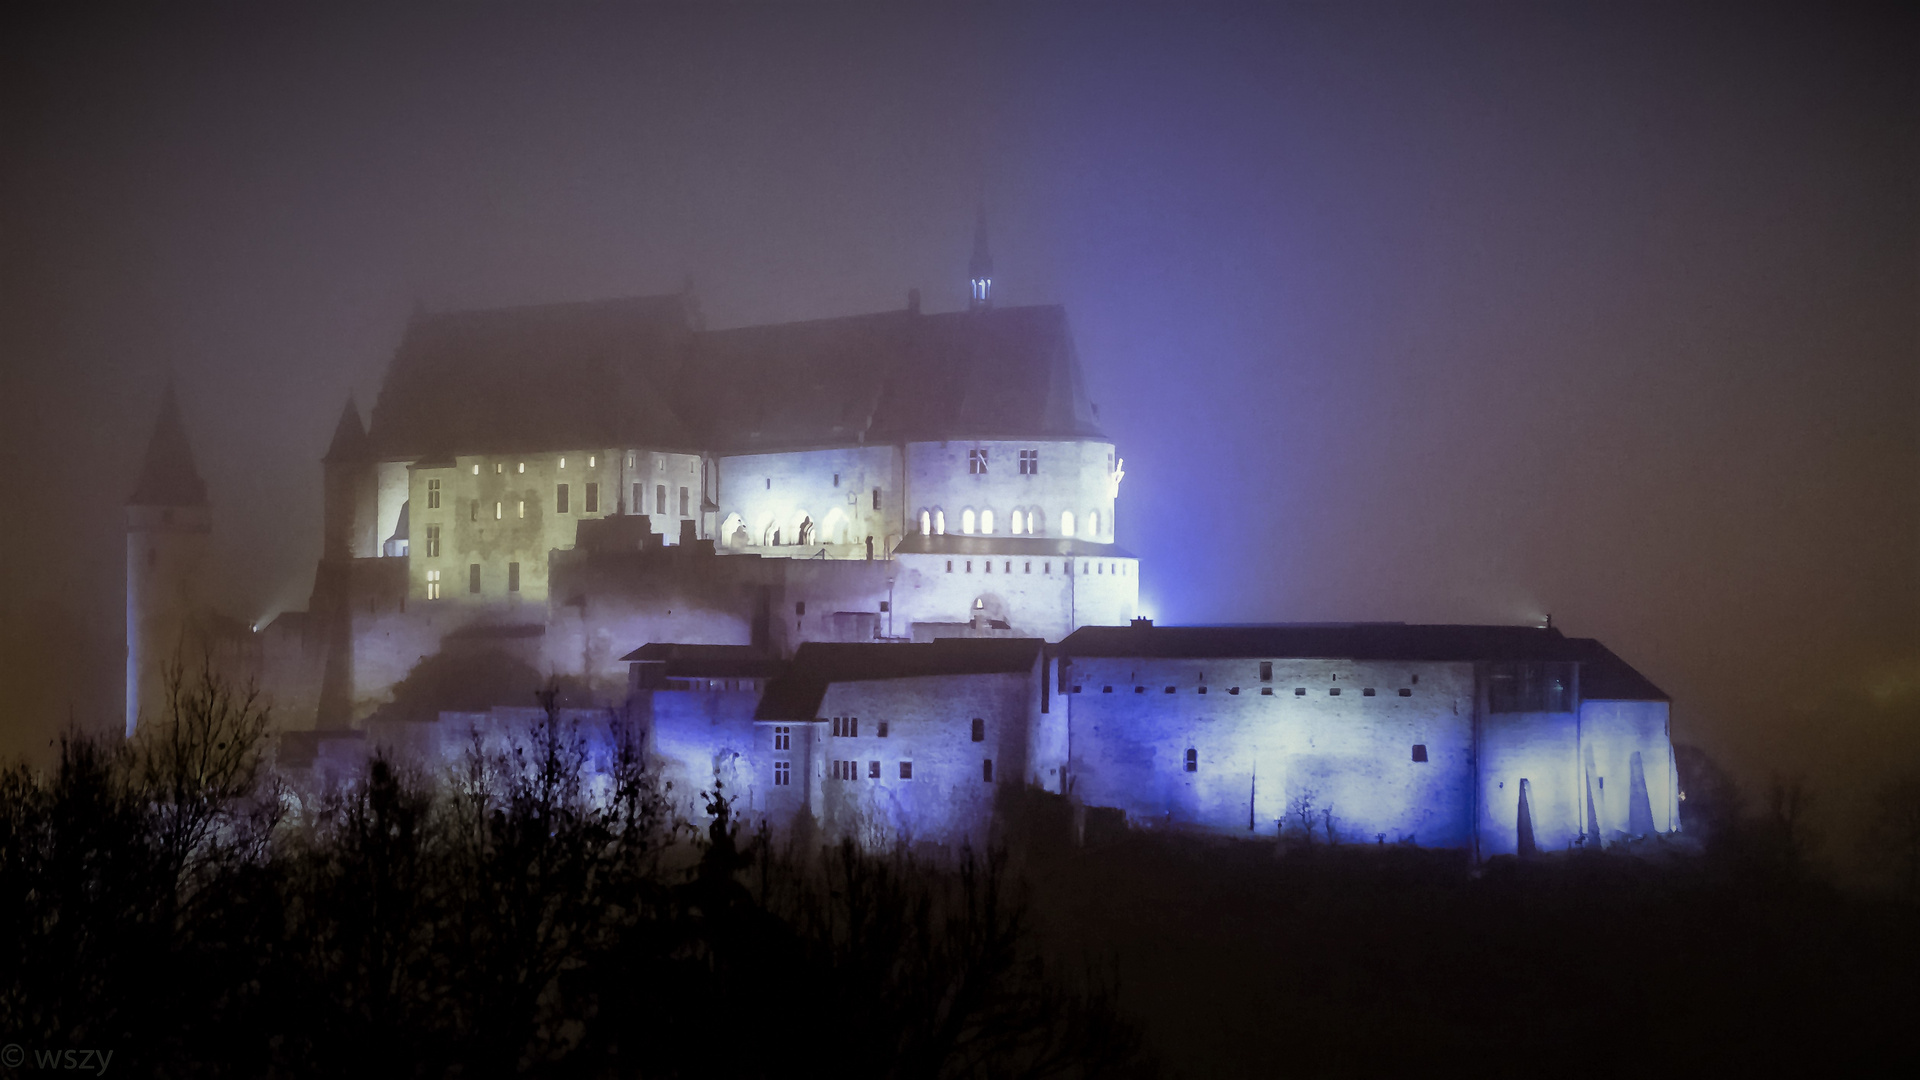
[[816, 665]]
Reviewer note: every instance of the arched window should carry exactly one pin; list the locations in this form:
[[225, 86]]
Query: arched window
[[966, 521], [940, 522], [926, 523], [1014, 522], [1036, 521], [986, 522], [1066, 523], [1093, 525]]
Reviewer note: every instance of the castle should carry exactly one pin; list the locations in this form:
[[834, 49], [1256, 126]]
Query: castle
[[863, 570]]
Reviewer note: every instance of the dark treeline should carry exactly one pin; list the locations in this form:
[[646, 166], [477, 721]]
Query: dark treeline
[[169, 899], [521, 913]]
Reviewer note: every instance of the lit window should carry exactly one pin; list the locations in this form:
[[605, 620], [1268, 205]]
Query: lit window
[[986, 522], [499, 468], [782, 738], [563, 463], [560, 499], [782, 774], [906, 770], [1193, 760], [521, 467], [1013, 523], [592, 460], [966, 522], [496, 511], [513, 577], [476, 468], [433, 494], [629, 459], [433, 584], [523, 508], [473, 577], [1029, 462], [977, 461], [433, 541], [940, 522], [1066, 523], [593, 498], [926, 523]]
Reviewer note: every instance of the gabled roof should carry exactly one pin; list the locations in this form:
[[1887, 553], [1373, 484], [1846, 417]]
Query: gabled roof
[[708, 661], [168, 476], [632, 372], [817, 665], [557, 376], [1603, 676]]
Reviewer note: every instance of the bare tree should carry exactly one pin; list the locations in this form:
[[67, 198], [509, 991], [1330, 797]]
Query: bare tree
[[1893, 831], [200, 766]]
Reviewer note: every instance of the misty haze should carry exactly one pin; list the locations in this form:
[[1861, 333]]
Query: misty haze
[[959, 540]]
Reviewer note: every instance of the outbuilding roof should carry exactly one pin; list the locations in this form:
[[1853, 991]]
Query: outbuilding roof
[[797, 694], [708, 661]]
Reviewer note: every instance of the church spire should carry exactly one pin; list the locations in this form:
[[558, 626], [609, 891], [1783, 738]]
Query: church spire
[[349, 437], [980, 269], [168, 476]]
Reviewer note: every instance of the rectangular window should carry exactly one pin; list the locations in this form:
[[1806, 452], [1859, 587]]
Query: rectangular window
[[473, 577], [523, 508], [906, 770], [1299, 691], [660, 499], [592, 460], [1419, 751], [977, 461], [1193, 760], [629, 459], [637, 504], [876, 498], [873, 770], [882, 729], [593, 498], [1368, 692], [560, 499], [433, 584], [836, 479], [782, 738], [1266, 671], [513, 577], [979, 730], [1029, 462], [433, 494], [683, 503], [1333, 692], [782, 774], [433, 541], [986, 771], [496, 511], [520, 467], [473, 511], [1404, 692]]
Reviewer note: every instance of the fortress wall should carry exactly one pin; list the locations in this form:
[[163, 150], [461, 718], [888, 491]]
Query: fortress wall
[[830, 588], [765, 492], [1106, 592], [1036, 598], [1543, 750], [1256, 753], [1611, 733], [1073, 476], [696, 735], [929, 722]]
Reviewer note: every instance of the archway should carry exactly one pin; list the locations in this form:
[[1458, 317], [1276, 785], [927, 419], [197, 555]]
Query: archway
[[733, 531], [926, 523], [835, 528], [805, 531]]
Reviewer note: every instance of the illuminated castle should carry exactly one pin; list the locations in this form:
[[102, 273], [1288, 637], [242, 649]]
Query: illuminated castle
[[863, 569]]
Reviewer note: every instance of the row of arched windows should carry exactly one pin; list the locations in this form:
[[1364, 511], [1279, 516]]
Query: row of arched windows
[[1022, 521]]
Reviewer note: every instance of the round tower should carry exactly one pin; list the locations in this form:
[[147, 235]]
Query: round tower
[[167, 525]]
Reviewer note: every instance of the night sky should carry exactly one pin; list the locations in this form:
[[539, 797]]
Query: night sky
[[1427, 313]]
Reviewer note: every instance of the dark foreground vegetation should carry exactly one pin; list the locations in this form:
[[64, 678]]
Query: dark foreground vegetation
[[170, 900]]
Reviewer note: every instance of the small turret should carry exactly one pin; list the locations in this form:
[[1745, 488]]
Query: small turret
[[980, 268], [167, 525]]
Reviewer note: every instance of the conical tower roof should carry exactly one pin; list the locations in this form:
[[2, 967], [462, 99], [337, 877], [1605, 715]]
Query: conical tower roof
[[168, 476], [349, 436]]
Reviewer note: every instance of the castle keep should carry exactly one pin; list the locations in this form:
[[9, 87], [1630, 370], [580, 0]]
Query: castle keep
[[862, 569]]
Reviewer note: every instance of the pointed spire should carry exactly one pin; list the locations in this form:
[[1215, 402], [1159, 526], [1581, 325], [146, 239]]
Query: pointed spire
[[349, 436], [168, 476], [980, 269]]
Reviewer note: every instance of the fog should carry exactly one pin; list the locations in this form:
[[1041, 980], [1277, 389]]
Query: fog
[[1423, 313]]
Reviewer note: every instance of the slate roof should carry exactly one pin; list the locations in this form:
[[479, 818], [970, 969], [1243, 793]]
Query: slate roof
[[349, 436], [797, 694], [633, 372], [1604, 676], [708, 661], [168, 476]]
